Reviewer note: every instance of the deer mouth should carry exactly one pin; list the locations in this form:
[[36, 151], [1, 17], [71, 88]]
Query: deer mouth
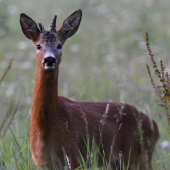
[[47, 67], [49, 63]]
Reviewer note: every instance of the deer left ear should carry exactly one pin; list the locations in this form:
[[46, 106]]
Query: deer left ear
[[70, 25], [29, 27]]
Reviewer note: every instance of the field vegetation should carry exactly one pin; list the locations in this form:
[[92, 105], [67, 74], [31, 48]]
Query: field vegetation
[[104, 61]]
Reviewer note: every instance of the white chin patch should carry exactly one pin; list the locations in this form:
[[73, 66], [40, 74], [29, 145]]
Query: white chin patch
[[49, 67]]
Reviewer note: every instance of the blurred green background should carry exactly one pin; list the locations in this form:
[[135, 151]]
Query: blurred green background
[[104, 61]]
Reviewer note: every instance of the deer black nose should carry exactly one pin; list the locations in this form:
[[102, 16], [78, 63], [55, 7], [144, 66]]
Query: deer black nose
[[49, 61]]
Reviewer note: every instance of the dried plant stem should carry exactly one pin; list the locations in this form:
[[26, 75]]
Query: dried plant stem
[[6, 70], [11, 118], [153, 85], [163, 78], [6, 115], [163, 165], [4, 164]]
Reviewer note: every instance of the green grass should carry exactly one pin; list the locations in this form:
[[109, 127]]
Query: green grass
[[108, 63]]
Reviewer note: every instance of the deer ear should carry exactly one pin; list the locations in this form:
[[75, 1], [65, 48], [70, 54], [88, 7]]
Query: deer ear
[[70, 25], [29, 27]]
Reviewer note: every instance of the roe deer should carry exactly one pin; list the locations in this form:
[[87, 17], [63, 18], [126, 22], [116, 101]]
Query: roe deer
[[61, 126]]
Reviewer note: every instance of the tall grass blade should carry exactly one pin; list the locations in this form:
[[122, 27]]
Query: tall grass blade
[[14, 155], [17, 144], [129, 158]]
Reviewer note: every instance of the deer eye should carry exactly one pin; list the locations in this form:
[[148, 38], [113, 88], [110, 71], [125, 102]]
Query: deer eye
[[59, 46], [38, 47]]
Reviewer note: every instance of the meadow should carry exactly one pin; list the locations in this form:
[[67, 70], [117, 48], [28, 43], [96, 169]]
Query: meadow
[[104, 61]]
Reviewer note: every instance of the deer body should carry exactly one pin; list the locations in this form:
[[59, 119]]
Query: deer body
[[59, 124]]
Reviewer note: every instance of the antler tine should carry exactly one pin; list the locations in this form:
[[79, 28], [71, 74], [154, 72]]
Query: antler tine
[[41, 27], [53, 25]]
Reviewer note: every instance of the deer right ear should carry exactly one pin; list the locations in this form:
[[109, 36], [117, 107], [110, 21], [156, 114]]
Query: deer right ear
[[70, 25], [29, 27]]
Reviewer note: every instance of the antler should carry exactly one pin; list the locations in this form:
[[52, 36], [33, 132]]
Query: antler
[[41, 27], [53, 25]]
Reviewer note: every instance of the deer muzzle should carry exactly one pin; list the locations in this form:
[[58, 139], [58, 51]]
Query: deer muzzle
[[49, 63]]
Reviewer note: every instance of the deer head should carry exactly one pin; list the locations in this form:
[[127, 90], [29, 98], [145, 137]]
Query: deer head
[[49, 44]]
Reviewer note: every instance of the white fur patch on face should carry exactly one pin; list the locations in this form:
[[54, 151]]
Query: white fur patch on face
[[60, 50], [49, 54], [49, 67]]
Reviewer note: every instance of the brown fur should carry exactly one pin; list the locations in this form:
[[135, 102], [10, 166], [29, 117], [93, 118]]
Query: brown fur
[[59, 124]]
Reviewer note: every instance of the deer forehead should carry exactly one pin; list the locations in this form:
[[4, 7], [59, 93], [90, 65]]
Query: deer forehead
[[50, 38], [49, 45]]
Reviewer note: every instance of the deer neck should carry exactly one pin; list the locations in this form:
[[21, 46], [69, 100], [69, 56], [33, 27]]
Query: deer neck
[[45, 98]]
